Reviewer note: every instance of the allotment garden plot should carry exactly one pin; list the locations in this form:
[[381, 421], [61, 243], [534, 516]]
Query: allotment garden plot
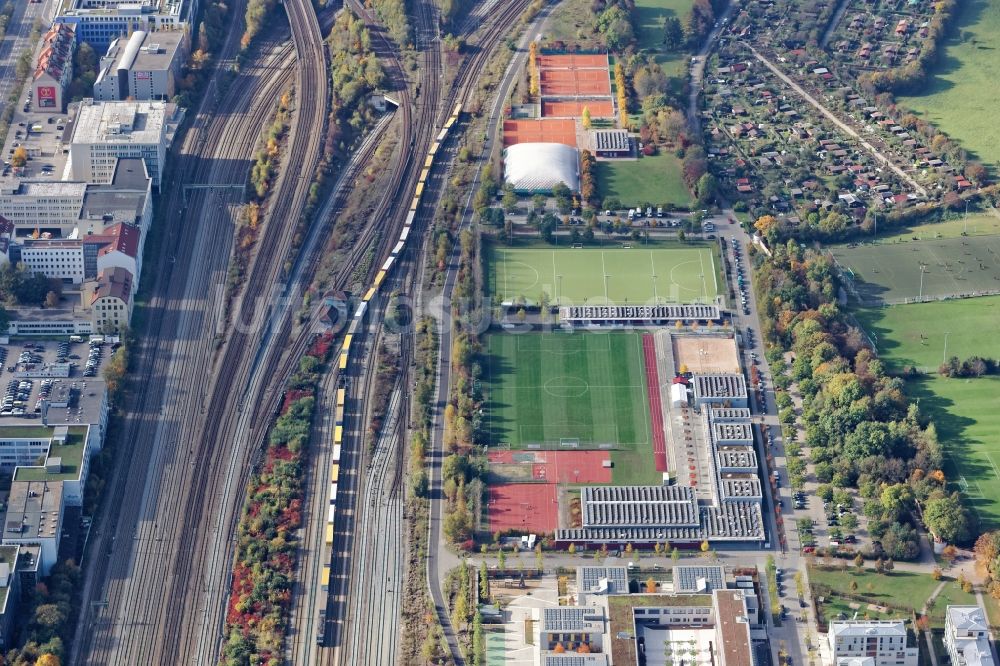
[[892, 273], [635, 276]]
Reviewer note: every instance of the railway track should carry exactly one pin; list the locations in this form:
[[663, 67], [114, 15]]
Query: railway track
[[135, 539]]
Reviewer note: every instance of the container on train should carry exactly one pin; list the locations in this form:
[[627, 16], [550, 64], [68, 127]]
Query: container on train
[[333, 493], [388, 264], [336, 453], [347, 342], [331, 514], [324, 579], [329, 534], [442, 135], [429, 162], [359, 314], [369, 295], [406, 234], [334, 473], [341, 396], [338, 434], [408, 223], [379, 279], [434, 147], [415, 204], [423, 175], [399, 248], [419, 191], [343, 360]]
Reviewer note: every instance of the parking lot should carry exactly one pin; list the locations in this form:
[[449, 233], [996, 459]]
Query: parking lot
[[33, 371], [44, 135]]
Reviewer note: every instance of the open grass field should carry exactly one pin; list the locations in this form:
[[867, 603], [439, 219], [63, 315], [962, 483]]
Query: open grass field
[[656, 180], [978, 224], [572, 391], [961, 95], [683, 274], [966, 412], [648, 18], [891, 273], [898, 588]]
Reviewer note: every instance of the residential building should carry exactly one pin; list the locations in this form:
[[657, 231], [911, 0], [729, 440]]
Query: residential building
[[98, 22], [10, 594], [885, 642], [967, 636], [75, 260], [34, 517], [144, 66], [110, 299], [54, 68], [69, 209], [104, 132]]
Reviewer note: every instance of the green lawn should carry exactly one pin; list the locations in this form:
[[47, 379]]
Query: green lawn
[[891, 273], [683, 274], [900, 588], [546, 388], [962, 92], [966, 412], [648, 19], [656, 180], [570, 23], [978, 224]]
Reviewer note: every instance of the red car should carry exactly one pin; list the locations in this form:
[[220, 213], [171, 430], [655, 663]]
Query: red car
[[809, 549]]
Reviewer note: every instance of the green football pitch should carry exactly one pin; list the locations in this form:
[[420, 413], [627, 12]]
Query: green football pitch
[[638, 275], [896, 273], [577, 390]]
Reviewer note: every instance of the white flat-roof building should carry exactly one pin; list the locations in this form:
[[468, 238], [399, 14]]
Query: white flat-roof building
[[144, 66], [34, 517], [967, 636], [104, 132], [100, 21], [886, 642], [71, 209]]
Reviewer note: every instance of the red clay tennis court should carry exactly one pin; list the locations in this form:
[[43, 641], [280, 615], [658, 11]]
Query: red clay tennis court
[[560, 82], [599, 108], [559, 466], [544, 130], [524, 507], [573, 60], [655, 405]]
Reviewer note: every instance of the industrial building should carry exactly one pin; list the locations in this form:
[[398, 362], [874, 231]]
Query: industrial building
[[142, 67], [98, 22], [104, 132], [878, 642], [538, 167], [54, 68], [967, 636]]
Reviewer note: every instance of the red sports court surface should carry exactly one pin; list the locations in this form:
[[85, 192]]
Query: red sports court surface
[[544, 130], [573, 60], [557, 82], [655, 406], [599, 108], [525, 507], [559, 466]]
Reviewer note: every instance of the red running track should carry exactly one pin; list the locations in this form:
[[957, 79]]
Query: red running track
[[655, 406]]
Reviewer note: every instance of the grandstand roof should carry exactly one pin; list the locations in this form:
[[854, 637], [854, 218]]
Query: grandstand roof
[[538, 167]]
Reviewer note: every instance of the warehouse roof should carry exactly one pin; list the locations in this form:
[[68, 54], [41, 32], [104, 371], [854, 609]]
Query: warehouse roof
[[538, 167]]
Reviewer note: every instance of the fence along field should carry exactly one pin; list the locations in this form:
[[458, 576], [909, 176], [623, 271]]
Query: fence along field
[[890, 274]]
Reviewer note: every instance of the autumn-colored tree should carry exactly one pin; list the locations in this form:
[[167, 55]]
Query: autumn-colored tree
[[854, 586], [19, 158], [650, 585], [585, 118]]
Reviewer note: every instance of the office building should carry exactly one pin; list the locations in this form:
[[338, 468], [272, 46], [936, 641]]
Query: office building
[[104, 132], [98, 22], [142, 67]]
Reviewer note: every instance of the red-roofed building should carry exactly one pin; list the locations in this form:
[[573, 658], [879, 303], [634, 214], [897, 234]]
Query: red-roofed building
[[54, 69], [123, 251], [110, 299]]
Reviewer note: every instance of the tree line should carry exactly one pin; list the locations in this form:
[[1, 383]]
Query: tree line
[[861, 430]]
